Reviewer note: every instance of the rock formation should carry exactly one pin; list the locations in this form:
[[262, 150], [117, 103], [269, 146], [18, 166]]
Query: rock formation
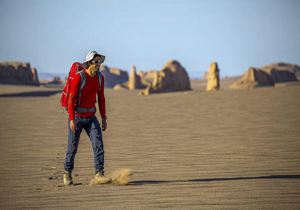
[[35, 76], [147, 77], [253, 78], [267, 76], [44, 82], [113, 76], [213, 82], [134, 81], [18, 73], [55, 81], [172, 77], [123, 86], [282, 72], [205, 76]]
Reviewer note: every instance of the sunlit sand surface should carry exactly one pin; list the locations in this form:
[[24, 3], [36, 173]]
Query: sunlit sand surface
[[230, 149]]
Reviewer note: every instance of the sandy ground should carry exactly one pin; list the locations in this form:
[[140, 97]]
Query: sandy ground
[[231, 149]]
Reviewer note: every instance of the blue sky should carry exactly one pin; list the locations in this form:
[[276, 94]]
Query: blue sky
[[51, 35]]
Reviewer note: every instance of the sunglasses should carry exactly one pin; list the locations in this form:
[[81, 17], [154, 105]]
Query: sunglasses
[[101, 60], [97, 61]]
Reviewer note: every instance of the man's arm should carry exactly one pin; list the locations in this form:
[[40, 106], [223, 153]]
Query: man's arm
[[72, 100], [101, 103]]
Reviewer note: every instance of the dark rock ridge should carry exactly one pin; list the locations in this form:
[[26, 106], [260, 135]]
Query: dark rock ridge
[[18, 73]]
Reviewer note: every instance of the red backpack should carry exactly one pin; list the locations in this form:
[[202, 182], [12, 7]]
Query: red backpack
[[76, 68]]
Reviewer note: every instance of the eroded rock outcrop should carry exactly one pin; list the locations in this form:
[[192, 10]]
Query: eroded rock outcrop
[[282, 72], [205, 76], [18, 73], [123, 86], [253, 78], [134, 81], [35, 76], [113, 76], [267, 76], [172, 77], [55, 81], [213, 82], [147, 77]]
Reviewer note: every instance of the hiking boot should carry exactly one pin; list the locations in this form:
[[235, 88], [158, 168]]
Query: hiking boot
[[101, 179], [68, 178]]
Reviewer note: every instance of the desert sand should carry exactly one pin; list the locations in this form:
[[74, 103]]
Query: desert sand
[[230, 149]]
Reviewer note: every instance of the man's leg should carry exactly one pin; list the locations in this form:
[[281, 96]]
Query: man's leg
[[73, 140], [93, 130]]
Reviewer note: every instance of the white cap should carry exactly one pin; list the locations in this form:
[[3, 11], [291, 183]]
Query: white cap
[[91, 55]]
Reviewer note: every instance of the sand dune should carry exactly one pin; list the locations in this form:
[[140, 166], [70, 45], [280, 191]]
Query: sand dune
[[231, 149]]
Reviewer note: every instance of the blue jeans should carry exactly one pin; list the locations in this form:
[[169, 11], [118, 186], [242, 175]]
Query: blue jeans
[[93, 130]]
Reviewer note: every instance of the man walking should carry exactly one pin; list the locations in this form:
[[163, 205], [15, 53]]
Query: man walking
[[84, 88]]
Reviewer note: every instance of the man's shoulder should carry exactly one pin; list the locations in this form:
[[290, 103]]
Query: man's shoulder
[[80, 72]]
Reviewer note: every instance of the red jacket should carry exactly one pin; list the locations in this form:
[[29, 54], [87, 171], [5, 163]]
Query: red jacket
[[88, 96]]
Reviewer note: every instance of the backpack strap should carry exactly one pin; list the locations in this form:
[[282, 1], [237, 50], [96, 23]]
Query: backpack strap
[[83, 79], [78, 68], [100, 79], [80, 110]]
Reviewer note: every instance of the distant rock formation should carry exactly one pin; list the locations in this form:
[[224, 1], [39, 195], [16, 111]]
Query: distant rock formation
[[18, 73], [148, 90], [134, 81], [205, 76], [55, 81], [148, 76], [213, 82], [253, 78], [35, 76], [282, 72], [113, 76], [44, 82], [123, 86], [172, 77], [267, 76]]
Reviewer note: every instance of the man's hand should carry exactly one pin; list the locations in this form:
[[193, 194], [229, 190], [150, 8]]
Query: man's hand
[[73, 126], [104, 124]]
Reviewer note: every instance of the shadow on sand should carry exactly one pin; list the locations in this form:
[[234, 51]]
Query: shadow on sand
[[32, 94], [143, 182]]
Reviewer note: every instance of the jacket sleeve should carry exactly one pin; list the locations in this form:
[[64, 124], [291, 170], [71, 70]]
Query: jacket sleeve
[[75, 84], [101, 99]]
